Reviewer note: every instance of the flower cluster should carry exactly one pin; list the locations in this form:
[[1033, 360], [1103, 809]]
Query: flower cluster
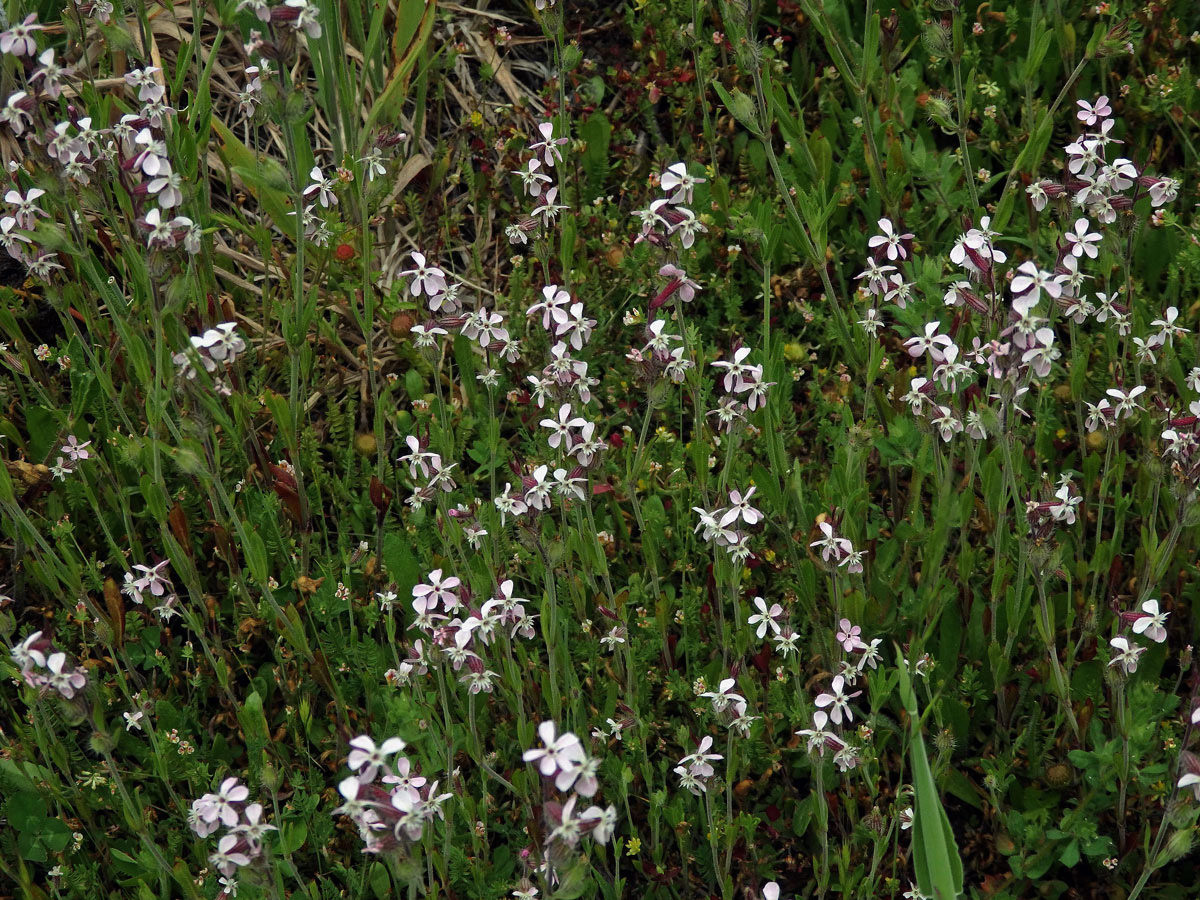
[[75, 453], [729, 704], [428, 466], [658, 357], [837, 701], [299, 15], [1047, 515], [838, 550], [395, 811], [562, 760], [215, 347], [534, 181], [1099, 187], [666, 216], [720, 526], [740, 378], [44, 667], [462, 637], [1024, 346], [694, 770], [242, 843], [154, 581]]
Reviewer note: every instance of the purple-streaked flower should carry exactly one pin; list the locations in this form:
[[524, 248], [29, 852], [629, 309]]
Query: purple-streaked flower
[[849, 636], [19, 40], [425, 278]]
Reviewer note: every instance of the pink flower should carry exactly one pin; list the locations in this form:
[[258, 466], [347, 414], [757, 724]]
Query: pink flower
[[1089, 114], [66, 681], [848, 635], [19, 40]]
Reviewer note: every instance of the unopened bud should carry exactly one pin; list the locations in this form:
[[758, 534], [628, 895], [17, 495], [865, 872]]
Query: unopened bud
[[938, 39], [1178, 846], [1115, 41], [941, 112]]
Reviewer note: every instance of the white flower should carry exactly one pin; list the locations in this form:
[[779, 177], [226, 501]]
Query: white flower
[[725, 696], [561, 427], [1150, 622], [564, 751], [427, 278], [677, 179], [891, 240], [369, 758], [839, 700], [1126, 655], [1082, 241], [766, 619]]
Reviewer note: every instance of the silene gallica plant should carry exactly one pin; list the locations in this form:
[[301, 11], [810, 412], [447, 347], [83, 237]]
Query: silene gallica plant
[[554, 451]]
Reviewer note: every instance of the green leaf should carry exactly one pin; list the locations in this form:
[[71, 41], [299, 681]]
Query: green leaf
[[155, 497], [255, 551], [935, 854], [596, 132], [265, 178], [292, 836], [254, 723], [43, 432]]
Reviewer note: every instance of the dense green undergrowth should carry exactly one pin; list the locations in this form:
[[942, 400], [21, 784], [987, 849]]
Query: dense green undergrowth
[[669, 449]]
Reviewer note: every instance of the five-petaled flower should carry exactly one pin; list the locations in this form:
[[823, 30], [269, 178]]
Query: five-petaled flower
[[368, 757], [890, 240], [766, 618], [839, 700], [1126, 654], [1151, 621]]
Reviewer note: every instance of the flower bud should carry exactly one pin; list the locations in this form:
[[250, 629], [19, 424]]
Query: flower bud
[[938, 39], [1115, 41], [941, 113]]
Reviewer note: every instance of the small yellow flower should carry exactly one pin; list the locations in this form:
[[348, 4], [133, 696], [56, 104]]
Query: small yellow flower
[[634, 847]]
